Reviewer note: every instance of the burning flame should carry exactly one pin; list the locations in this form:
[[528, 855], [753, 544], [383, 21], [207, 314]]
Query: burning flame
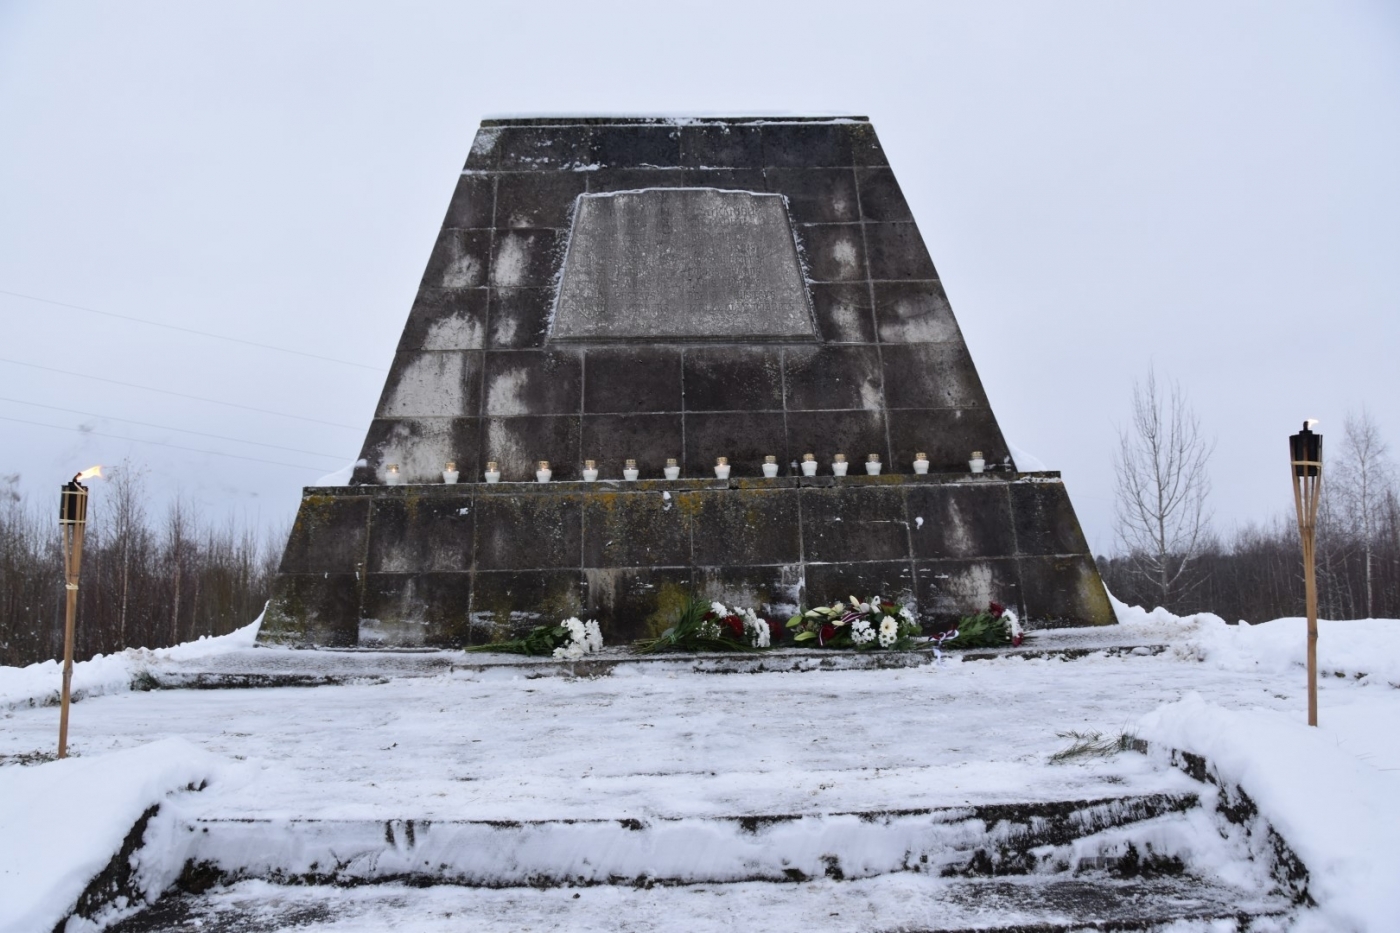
[[1311, 423], [89, 473]]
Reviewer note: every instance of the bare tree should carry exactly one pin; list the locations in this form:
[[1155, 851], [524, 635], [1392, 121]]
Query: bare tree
[[1160, 503], [1364, 482], [129, 532]]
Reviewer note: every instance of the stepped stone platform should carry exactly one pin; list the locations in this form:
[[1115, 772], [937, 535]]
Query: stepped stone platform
[[612, 289]]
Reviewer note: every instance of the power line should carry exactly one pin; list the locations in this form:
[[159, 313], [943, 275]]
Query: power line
[[191, 330], [137, 440], [197, 398], [166, 427]]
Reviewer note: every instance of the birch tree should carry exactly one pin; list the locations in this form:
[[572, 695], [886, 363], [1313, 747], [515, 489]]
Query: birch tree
[[1161, 518]]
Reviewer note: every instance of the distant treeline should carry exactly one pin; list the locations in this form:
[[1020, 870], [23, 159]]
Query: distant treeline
[[145, 582], [1258, 574]]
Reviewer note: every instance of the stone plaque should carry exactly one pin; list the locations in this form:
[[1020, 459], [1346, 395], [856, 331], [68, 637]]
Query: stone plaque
[[682, 264]]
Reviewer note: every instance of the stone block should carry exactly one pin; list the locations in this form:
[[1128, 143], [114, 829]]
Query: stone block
[[825, 433], [843, 312], [721, 145], [433, 383], [635, 529], [948, 436], [420, 447], [508, 603], [827, 583], [328, 536], [420, 609], [313, 610], [472, 203], [833, 252], [897, 252], [637, 179], [533, 382], [1045, 521], [650, 439], [726, 179], [949, 590], [822, 378], [542, 148], [632, 379], [773, 591], [636, 146], [850, 524], [459, 259], [744, 437], [880, 198], [537, 199], [446, 319], [960, 521], [520, 317], [739, 527], [632, 603], [914, 312], [817, 195], [416, 533], [517, 444], [806, 145], [528, 531], [1064, 591], [931, 376], [731, 378], [523, 258]]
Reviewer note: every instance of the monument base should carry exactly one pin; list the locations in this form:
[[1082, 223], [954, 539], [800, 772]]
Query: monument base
[[448, 566]]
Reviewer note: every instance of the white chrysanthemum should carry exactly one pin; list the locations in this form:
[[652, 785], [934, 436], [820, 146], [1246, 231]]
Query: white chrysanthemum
[[559, 653], [758, 628], [719, 610], [593, 635], [907, 614], [861, 632]]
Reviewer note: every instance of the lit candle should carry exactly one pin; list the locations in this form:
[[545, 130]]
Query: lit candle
[[770, 466], [721, 468], [839, 464], [493, 471], [629, 470], [872, 464], [449, 473], [544, 473], [921, 462], [977, 464], [590, 471], [809, 464], [392, 476], [672, 469]]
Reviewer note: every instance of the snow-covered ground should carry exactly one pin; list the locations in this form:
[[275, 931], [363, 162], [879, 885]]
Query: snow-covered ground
[[652, 743]]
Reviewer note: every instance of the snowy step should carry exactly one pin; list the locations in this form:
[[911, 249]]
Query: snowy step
[[998, 839], [907, 902], [284, 667]]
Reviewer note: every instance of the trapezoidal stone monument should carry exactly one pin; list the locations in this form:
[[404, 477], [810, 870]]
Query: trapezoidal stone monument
[[646, 289]]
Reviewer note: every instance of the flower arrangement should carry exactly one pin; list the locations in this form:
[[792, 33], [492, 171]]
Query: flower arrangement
[[995, 628], [877, 623], [567, 641], [705, 626]]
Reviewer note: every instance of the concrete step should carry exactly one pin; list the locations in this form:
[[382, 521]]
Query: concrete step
[[289, 667], [914, 903], [996, 839]]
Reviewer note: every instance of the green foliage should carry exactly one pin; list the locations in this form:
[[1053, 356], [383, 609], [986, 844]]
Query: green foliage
[[1091, 745], [539, 641], [983, 630], [698, 627]]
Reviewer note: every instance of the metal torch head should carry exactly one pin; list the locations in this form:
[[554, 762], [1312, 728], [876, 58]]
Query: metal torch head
[[72, 504], [1305, 449]]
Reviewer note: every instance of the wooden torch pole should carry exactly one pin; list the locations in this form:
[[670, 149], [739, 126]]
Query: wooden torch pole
[[72, 527], [1306, 495]]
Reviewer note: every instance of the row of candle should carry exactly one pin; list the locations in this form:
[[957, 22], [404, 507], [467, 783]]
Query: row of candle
[[672, 469]]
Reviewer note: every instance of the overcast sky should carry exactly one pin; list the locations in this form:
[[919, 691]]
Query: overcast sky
[[1211, 189]]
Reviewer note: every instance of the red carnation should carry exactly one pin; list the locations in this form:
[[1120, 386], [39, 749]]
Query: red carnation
[[997, 609], [735, 626], [775, 632], [828, 632]]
